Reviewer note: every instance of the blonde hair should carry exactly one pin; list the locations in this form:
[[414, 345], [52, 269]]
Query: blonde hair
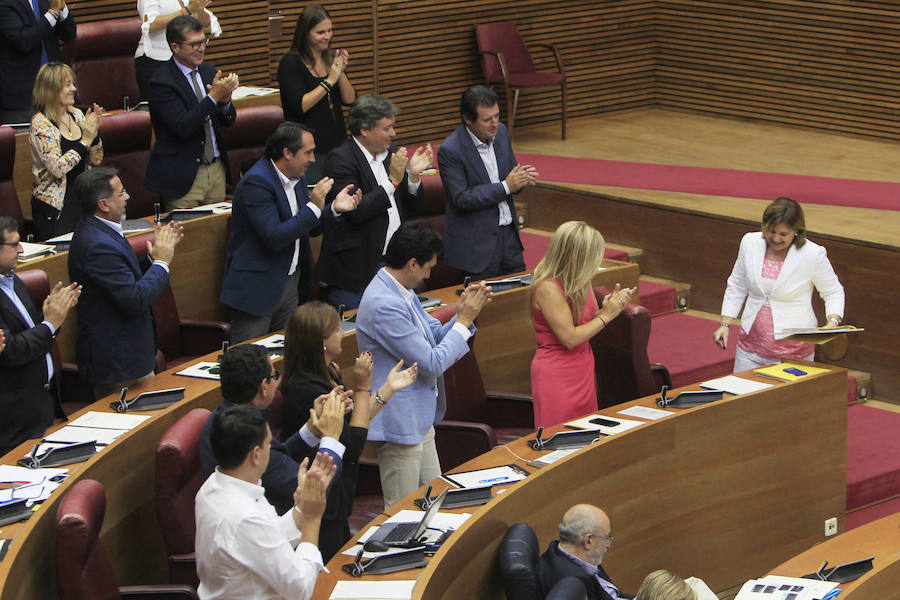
[[575, 253], [665, 585], [47, 86]]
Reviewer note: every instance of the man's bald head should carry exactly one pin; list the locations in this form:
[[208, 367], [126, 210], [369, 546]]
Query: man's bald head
[[584, 532]]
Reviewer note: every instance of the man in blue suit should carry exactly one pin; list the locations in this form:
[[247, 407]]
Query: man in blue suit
[[271, 220], [480, 175], [30, 31], [393, 326], [189, 102], [116, 342], [248, 377]]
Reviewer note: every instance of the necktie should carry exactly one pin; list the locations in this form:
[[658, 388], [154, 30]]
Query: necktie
[[207, 125], [38, 16]]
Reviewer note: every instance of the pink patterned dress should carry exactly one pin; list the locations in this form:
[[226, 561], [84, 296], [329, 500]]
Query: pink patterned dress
[[562, 380]]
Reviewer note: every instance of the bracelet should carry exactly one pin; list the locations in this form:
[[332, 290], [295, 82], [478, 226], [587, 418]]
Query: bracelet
[[378, 400], [603, 320], [724, 324], [835, 321], [326, 85], [368, 391]]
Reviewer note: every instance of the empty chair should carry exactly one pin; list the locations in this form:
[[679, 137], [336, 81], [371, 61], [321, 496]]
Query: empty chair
[[621, 366], [178, 478], [126, 146], [83, 569], [519, 553], [179, 340], [246, 139], [9, 199], [505, 60], [102, 56], [432, 215]]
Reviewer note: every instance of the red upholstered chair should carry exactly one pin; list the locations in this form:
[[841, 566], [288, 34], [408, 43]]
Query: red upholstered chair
[[74, 393], [621, 366], [432, 215], [9, 199], [178, 478], [246, 139], [126, 146], [83, 569], [102, 56], [179, 340], [505, 60]]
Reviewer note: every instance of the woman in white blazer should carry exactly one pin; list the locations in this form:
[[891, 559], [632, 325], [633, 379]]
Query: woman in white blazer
[[774, 273]]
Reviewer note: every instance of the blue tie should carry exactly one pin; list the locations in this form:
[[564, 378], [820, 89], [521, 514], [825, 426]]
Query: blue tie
[[38, 16]]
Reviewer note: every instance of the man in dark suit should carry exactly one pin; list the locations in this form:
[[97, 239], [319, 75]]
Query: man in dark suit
[[189, 102], [389, 180], [26, 368], [30, 31], [248, 377], [584, 539], [480, 175], [272, 218], [116, 343]]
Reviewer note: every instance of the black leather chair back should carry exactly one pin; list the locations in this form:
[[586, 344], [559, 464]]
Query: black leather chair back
[[519, 553]]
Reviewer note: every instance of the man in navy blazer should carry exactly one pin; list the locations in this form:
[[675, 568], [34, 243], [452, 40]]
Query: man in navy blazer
[[480, 174], [28, 398], [189, 102], [248, 377], [27, 41], [393, 326], [389, 180], [271, 220], [584, 539], [116, 342]]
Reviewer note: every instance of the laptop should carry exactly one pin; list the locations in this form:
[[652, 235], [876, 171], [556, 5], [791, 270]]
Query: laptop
[[408, 534]]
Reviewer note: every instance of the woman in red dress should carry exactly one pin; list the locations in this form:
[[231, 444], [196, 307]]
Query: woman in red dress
[[566, 316]]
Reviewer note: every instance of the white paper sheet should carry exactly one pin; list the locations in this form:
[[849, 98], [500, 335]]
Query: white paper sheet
[[735, 385], [645, 412], [74, 435], [34, 492], [108, 420], [9, 473], [494, 476], [549, 459], [201, 370], [275, 341], [373, 590], [623, 424]]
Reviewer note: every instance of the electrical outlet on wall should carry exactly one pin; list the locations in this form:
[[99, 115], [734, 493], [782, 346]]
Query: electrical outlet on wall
[[830, 526]]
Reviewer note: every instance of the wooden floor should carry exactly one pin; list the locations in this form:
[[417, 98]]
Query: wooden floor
[[686, 139]]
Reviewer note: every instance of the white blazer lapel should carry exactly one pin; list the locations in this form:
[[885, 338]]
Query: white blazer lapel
[[755, 261]]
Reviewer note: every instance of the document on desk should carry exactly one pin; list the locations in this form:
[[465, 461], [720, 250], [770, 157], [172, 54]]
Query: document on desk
[[273, 342], [203, 370], [645, 412], [108, 420], [33, 492], [373, 590], [10, 474], [74, 435], [735, 385], [776, 587], [482, 477]]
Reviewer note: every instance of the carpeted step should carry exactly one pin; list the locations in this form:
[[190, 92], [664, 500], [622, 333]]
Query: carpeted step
[[536, 247], [656, 297], [871, 513], [873, 455], [684, 344]]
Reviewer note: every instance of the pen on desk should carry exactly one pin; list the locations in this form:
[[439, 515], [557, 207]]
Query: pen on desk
[[493, 479], [833, 593]]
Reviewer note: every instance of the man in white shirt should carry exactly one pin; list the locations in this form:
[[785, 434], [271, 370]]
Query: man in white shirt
[[272, 217], [480, 174], [391, 190], [244, 549]]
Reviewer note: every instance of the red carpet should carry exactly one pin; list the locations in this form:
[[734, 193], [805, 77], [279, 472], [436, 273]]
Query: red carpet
[[536, 247], [871, 513], [716, 182], [685, 346], [873, 455], [656, 297]]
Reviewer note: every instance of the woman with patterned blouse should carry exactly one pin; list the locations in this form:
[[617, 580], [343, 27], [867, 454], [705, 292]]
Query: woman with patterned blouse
[[64, 142]]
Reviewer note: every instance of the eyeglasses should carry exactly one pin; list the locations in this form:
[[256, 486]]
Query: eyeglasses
[[607, 538], [198, 45], [11, 244], [276, 376]]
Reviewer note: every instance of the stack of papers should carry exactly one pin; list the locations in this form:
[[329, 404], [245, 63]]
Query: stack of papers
[[32, 251], [97, 426], [789, 372], [549, 459], [246, 91], [775, 587], [373, 590], [735, 385], [31, 484], [645, 412]]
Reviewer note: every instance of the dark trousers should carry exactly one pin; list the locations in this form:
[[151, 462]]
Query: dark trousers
[[507, 256]]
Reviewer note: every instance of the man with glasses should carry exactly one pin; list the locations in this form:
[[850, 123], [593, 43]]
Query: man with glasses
[[26, 336], [248, 377], [189, 102], [584, 539]]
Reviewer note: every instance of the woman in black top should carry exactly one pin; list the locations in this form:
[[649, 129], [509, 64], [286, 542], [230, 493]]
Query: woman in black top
[[312, 340], [314, 85]]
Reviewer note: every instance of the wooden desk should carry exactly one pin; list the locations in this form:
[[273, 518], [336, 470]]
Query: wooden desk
[[723, 492], [880, 539]]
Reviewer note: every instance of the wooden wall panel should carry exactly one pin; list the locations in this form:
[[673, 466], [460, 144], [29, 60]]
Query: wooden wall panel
[[828, 64]]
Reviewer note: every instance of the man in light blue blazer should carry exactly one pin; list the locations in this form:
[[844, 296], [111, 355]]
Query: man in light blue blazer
[[393, 326], [480, 174]]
